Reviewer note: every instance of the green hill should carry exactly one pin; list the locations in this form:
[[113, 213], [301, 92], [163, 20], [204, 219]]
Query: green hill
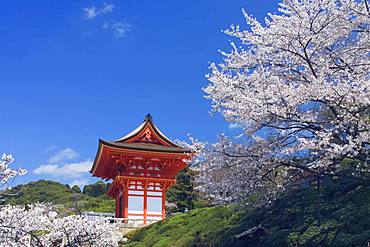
[[290, 221], [69, 200]]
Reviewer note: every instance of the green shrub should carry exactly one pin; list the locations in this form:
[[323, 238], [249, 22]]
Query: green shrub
[[290, 221]]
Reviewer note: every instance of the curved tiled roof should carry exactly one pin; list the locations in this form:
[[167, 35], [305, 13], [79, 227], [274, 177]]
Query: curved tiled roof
[[146, 147], [148, 121], [147, 139]]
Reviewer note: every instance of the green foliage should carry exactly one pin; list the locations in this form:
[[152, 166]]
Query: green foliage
[[76, 189], [290, 221], [67, 200], [182, 193], [97, 189], [198, 225]]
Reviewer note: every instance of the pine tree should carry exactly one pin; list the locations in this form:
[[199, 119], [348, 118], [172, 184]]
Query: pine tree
[[183, 193]]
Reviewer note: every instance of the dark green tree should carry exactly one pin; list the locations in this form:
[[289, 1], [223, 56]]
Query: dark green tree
[[183, 193], [97, 189], [76, 189]]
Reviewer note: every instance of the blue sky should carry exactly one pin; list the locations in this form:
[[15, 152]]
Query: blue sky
[[76, 71]]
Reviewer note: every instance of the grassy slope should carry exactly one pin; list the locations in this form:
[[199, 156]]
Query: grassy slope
[[291, 221], [49, 191]]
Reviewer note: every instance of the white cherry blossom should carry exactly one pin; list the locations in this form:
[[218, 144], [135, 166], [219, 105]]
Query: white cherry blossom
[[6, 173], [39, 225], [299, 87]]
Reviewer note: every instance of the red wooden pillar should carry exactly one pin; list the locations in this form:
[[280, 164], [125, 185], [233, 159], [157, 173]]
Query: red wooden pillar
[[125, 201], [117, 206], [145, 202], [163, 203]]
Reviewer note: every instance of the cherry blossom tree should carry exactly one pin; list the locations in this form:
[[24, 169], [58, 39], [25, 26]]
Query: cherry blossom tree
[[40, 225], [7, 173], [299, 88]]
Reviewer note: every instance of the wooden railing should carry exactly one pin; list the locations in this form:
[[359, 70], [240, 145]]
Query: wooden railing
[[122, 222], [132, 223]]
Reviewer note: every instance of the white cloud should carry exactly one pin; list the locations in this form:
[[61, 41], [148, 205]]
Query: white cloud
[[107, 8], [63, 155], [233, 126], [81, 182], [119, 29], [71, 170], [50, 148], [93, 12], [89, 13]]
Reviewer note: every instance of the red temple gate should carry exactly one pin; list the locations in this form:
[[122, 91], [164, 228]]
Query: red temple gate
[[143, 165]]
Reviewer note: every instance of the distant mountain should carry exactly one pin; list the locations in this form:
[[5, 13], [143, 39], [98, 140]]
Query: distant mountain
[[68, 200]]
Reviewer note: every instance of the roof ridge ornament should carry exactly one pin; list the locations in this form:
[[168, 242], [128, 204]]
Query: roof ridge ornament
[[157, 136], [148, 117]]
